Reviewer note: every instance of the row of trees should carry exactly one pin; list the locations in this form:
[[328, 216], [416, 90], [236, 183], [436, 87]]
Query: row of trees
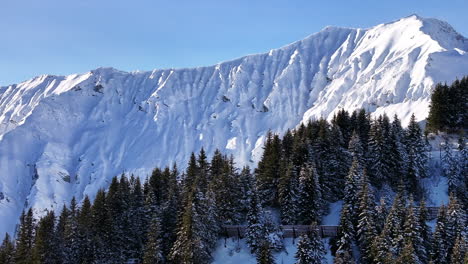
[[374, 233], [448, 109], [176, 217], [312, 163]]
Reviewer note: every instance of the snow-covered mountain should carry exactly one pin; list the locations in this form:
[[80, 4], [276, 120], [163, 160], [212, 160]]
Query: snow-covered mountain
[[69, 135]]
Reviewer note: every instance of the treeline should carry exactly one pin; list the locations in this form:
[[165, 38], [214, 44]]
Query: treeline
[[449, 107], [372, 233], [176, 217]]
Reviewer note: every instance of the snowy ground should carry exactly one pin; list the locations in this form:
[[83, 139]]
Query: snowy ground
[[234, 251]]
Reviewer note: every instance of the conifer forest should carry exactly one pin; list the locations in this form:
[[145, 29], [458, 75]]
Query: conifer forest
[[372, 164]]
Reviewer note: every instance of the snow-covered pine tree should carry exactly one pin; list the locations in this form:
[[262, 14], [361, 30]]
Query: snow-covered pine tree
[[424, 231], [337, 163], [346, 234], [226, 188], [101, 228], [246, 184], [268, 170], [198, 226], [456, 224], [459, 253], [137, 218], [440, 247], [408, 255], [379, 151], [390, 241], [275, 235], [450, 168], [417, 156], [366, 230], [462, 161], [183, 250], [256, 231], [288, 191], [356, 149], [351, 189], [381, 212], [412, 231], [397, 156], [73, 241], [344, 258], [153, 253], [310, 249], [169, 212], [305, 252], [45, 247], [25, 238], [310, 202], [7, 250], [85, 232], [264, 254]]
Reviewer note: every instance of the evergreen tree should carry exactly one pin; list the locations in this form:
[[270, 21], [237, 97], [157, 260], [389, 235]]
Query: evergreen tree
[[344, 258], [310, 201], [408, 255], [417, 157], [424, 232], [437, 109], [268, 170], [378, 151], [366, 230], [265, 255], [352, 188], [381, 212], [310, 248], [45, 248], [245, 184], [153, 250], [412, 232], [25, 238], [85, 231], [183, 250], [288, 195], [101, 228], [7, 250], [440, 247], [459, 252], [456, 224], [397, 157], [73, 242], [256, 231], [356, 149], [305, 252], [391, 241], [346, 235]]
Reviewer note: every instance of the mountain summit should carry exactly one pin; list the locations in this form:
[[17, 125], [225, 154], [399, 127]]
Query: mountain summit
[[64, 136]]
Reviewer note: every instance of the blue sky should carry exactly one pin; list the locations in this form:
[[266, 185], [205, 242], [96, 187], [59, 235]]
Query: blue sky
[[63, 36]]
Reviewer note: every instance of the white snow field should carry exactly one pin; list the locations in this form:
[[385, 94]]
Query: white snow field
[[64, 136]]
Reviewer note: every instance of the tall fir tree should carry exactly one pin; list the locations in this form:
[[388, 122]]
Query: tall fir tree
[[417, 156], [7, 250], [310, 202], [310, 248], [366, 229], [346, 235], [153, 252], [45, 247], [25, 238]]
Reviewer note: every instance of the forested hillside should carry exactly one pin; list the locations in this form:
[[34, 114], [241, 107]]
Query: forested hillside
[[375, 166]]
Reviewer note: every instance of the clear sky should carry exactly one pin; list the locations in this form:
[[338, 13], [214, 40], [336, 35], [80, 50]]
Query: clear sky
[[69, 36]]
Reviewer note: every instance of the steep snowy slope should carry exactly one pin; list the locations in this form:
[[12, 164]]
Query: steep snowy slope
[[65, 136]]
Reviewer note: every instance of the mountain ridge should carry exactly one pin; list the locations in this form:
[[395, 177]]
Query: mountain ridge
[[68, 135]]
